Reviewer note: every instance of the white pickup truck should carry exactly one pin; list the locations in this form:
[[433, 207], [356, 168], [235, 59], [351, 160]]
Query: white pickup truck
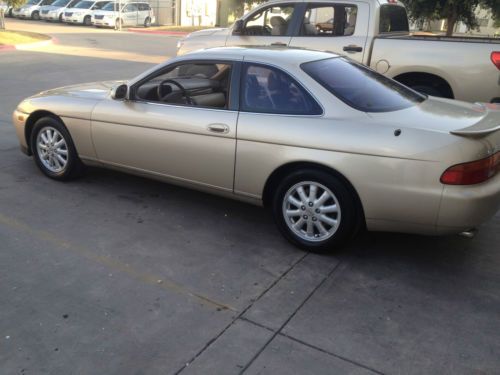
[[375, 33]]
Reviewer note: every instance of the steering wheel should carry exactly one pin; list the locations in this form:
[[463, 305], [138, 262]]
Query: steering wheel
[[162, 96], [267, 30]]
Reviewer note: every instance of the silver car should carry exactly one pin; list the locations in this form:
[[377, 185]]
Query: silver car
[[55, 11], [81, 12], [31, 9], [327, 144], [131, 14]]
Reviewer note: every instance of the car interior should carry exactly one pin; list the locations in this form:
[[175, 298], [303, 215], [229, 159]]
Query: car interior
[[329, 21], [204, 85]]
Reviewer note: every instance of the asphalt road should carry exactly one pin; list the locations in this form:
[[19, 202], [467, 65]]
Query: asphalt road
[[114, 274]]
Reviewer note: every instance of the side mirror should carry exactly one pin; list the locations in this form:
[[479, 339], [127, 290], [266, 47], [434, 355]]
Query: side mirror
[[238, 27], [119, 92]]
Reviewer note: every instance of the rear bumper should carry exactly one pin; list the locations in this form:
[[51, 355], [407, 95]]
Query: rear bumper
[[465, 207]]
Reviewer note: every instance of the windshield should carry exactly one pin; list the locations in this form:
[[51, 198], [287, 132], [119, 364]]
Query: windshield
[[84, 4], [111, 6], [60, 3], [360, 87], [32, 2]]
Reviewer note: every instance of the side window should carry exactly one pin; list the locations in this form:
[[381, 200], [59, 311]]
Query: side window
[[269, 90], [99, 5], [329, 20], [272, 21], [130, 8], [143, 6], [191, 84]]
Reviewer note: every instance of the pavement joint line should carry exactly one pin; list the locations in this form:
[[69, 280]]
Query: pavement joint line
[[257, 324], [168, 285], [331, 353], [325, 278], [311, 346], [240, 315]]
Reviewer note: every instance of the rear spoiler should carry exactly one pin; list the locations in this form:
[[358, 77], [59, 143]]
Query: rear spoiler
[[490, 123], [475, 131]]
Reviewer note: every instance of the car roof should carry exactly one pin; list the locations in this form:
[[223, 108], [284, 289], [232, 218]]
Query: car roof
[[266, 54]]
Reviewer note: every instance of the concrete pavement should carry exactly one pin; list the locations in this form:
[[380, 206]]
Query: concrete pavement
[[115, 274]]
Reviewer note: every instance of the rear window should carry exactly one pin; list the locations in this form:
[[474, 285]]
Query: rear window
[[360, 87], [393, 18]]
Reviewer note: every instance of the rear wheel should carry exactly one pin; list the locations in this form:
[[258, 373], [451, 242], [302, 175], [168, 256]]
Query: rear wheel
[[118, 24], [315, 210], [53, 150], [61, 18], [35, 15], [87, 21]]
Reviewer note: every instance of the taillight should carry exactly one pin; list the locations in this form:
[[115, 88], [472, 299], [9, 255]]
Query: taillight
[[472, 172], [495, 58]]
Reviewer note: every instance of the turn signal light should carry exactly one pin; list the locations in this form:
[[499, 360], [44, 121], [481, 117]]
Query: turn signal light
[[473, 172], [495, 58]]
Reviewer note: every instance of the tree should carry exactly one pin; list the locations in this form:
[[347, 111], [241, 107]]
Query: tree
[[452, 11], [10, 3]]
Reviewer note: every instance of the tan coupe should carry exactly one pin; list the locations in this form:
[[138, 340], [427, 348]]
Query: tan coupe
[[328, 144]]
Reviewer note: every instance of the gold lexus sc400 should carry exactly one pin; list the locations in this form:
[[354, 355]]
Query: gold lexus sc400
[[327, 144]]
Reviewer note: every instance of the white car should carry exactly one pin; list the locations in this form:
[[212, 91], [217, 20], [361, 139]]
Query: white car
[[132, 14], [81, 13], [55, 11], [31, 9]]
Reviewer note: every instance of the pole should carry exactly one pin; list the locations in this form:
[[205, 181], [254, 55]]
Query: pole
[[120, 15]]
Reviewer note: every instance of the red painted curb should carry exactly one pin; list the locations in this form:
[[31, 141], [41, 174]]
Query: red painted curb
[[158, 32], [7, 48]]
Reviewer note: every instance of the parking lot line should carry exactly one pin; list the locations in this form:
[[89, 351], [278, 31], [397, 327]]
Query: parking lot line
[[113, 264]]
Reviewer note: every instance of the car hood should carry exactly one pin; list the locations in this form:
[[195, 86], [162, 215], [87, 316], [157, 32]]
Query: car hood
[[441, 115], [93, 90], [207, 32]]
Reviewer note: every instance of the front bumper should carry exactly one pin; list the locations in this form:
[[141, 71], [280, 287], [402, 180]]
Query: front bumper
[[104, 22], [19, 120], [74, 19], [466, 207]]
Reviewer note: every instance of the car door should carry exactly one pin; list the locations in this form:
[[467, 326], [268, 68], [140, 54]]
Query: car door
[[340, 27], [143, 13], [270, 25], [274, 108], [129, 14], [192, 141]]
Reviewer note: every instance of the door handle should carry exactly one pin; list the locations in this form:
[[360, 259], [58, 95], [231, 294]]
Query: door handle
[[218, 128], [352, 48], [281, 44]]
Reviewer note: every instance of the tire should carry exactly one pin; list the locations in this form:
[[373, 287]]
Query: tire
[[35, 16], [87, 21], [429, 90], [339, 207], [147, 22], [61, 18], [72, 167], [118, 24]]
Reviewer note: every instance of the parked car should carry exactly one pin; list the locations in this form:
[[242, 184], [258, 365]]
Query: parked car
[[132, 14], [55, 11], [31, 9], [375, 33], [327, 143], [81, 13]]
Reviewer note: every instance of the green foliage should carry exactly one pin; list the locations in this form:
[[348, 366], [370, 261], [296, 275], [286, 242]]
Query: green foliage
[[14, 3], [451, 10]]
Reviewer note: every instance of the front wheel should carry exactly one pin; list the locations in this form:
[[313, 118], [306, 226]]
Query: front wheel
[[315, 210], [147, 22], [53, 150], [87, 21], [35, 16]]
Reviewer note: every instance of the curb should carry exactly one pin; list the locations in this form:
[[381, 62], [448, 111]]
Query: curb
[[27, 46], [158, 32]]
